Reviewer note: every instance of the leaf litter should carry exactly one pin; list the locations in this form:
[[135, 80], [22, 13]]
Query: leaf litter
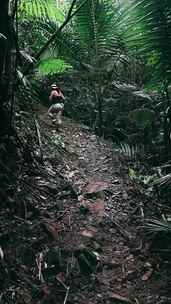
[[73, 238]]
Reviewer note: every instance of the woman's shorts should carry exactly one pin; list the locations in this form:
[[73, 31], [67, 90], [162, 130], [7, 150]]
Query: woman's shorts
[[56, 107]]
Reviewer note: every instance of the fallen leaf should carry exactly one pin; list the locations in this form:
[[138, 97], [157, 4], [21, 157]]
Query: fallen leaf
[[97, 209], [80, 198], [1, 253], [52, 229], [115, 296], [45, 289], [23, 295], [147, 275], [125, 195], [87, 233], [95, 187]]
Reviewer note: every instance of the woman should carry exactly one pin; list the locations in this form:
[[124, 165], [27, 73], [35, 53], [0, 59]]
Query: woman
[[56, 109]]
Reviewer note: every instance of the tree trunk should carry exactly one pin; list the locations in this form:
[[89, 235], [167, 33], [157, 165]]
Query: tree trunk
[[5, 64]]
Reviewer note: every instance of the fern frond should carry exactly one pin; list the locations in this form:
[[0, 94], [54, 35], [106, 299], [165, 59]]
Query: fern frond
[[131, 151]]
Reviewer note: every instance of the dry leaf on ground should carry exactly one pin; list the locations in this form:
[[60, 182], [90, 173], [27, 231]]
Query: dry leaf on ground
[[95, 187], [97, 209], [115, 296]]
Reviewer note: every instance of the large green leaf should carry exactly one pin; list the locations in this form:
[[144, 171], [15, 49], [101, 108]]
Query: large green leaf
[[142, 117]]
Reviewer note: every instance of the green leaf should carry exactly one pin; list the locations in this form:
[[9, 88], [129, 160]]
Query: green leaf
[[132, 174], [50, 66], [42, 9], [142, 117]]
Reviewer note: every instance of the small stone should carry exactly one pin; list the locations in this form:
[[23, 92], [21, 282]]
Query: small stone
[[113, 263], [130, 258], [87, 233], [118, 253], [147, 265], [112, 230]]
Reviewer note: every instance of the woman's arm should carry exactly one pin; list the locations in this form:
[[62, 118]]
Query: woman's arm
[[50, 97], [62, 96]]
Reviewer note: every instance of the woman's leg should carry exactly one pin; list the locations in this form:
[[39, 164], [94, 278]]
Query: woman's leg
[[59, 119]]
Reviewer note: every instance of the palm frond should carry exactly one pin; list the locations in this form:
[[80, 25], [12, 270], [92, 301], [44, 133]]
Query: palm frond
[[148, 30], [156, 226], [132, 152], [64, 45], [50, 66], [164, 181], [94, 26], [41, 9]]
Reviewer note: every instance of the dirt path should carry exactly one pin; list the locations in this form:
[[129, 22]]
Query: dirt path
[[76, 235], [102, 221]]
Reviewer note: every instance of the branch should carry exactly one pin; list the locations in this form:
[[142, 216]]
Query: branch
[[69, 16]]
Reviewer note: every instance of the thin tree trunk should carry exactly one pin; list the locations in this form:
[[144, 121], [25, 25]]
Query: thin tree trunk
[[4, 45], [6, 73], [100, 114]]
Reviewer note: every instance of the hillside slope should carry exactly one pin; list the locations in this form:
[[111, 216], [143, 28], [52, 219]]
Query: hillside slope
[[79, 238]]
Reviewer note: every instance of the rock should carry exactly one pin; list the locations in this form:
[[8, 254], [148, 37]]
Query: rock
[[112, 264], [99, 296], [112, 230], [87, 233]]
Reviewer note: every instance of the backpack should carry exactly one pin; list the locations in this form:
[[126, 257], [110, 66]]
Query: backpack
[[55, 94]]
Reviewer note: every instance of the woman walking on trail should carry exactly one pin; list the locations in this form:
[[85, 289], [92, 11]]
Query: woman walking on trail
[[56, 109]]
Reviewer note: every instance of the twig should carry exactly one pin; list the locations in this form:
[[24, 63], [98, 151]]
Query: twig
[[39, 137], [123, 232], [39, 262], [66, 296], [67, 288], [62, 283], [21, 219], [141, 209]]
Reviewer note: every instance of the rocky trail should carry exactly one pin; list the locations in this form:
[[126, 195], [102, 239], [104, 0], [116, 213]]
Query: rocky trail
[[78, 237]]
